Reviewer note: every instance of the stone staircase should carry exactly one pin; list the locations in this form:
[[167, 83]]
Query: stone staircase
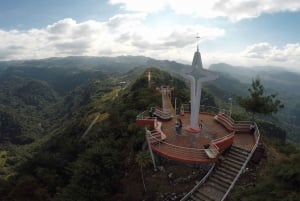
[[221, 178]]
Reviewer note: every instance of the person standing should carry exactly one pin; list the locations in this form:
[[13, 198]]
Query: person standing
[[252, 128], [178, 126]]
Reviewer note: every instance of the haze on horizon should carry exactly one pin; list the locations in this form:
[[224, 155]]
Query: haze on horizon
[[237, 32]]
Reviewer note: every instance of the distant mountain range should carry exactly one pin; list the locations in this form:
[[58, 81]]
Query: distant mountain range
[[65, 74], [236, 80], [275, 78]]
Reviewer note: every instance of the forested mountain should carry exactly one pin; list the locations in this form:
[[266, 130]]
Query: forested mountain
[[47, 105], [65, 163], [234, 80], [63, 75]]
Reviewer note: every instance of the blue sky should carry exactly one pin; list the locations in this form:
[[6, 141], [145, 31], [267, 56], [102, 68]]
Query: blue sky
[[238, 32]]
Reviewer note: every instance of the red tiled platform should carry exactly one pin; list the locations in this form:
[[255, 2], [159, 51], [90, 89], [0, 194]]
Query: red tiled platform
[[188, 147]]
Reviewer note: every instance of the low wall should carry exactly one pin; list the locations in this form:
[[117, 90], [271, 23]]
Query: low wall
[[146, 122], [225, 142]]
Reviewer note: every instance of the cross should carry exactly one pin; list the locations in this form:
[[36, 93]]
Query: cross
[[197, 38]]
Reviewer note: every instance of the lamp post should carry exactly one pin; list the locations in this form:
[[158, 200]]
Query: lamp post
[[230, 99]]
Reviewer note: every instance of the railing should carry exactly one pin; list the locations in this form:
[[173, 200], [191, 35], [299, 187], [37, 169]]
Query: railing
[[159, 111], [257, 134], [230, 124], [164, 115], [198, 184], [155, 110], [143, 115], [222, 138], [178, 151], [191, 153], [210, 109], [204, 108], [242, 126], [214, 147]]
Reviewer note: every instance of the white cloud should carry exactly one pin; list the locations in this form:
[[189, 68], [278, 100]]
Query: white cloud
[[233, 9], [288, 54], [260, 50], [260, 54], [125, 34], [128, 35]]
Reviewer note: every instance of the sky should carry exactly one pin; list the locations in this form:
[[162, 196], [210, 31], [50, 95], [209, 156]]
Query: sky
[[237, 32]]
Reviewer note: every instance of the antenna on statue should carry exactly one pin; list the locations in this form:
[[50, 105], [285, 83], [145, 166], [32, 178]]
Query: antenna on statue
[[197, 38]]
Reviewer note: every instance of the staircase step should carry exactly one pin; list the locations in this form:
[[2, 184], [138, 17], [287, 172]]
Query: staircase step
[[236, 151], [236, 156], [245, 153], [240, 149], [203, 196], [234, 165], [229, 168], [196, 198], [225, 175], [235, 161], [221, 178], [217, 187], [219, 182], [226, 171]]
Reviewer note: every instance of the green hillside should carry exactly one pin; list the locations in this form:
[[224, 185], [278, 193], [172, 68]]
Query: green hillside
[[46, 153]]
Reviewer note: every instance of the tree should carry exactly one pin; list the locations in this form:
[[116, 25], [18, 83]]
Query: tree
[[143, 159], [257, 102]]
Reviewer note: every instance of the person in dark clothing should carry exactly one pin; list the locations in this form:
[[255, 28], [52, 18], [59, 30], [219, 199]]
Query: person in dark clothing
[[180, 123], [178, 126], [252, 127]]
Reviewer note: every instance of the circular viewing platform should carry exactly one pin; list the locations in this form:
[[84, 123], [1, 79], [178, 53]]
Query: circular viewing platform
[[218, 132]]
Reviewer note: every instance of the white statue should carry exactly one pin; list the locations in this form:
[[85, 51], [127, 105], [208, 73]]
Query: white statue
[[197, 75]]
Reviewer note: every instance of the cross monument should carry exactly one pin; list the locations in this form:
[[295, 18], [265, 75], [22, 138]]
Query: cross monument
[[197, 75]]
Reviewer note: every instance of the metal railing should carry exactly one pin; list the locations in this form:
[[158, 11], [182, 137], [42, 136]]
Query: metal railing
[[198, 184], [160, 145], [224, 137], [204, 108], [178, 151]]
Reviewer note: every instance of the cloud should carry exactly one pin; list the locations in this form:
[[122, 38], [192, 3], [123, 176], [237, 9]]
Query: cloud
[[125, 34], [290, 53], [128, 34], [234, 10], [260, 50], [61, 27], [76, 47], [241, 9], [125, 21]]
